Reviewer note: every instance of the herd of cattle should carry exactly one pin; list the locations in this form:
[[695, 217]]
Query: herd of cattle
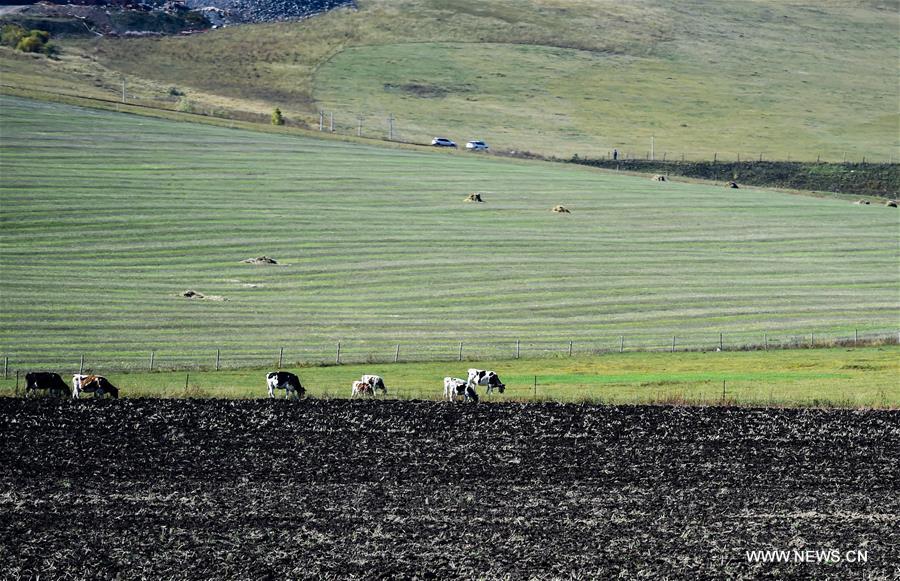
[[368, 385]]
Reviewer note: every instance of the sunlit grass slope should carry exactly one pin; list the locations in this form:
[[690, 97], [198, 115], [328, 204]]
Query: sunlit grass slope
[[107, 218], [751, 77]]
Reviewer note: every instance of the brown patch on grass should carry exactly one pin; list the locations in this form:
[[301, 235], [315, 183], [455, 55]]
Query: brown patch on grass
[[192, 294], [561, 210], [474, 197], [260, 260]]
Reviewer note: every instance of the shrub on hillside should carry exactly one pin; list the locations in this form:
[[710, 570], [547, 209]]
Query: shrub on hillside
[[11, 34], [185, 105], [14, 36], [277, 117]]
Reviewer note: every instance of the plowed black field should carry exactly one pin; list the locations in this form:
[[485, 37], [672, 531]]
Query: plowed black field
[[340, 489]]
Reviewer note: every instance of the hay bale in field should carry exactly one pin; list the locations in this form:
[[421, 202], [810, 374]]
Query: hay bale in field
[[192, 294], [659, 178], [733, 185], [474, 197], [891, 203], [260, 260], [861, 202], [561, 210]]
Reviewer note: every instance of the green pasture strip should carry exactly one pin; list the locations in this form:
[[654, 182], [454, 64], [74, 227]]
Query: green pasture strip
[[107, 218], [728, 78], [841, 377]]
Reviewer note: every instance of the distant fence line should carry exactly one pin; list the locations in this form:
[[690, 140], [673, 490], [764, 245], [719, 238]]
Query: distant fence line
[[388, 127], [341, 353]]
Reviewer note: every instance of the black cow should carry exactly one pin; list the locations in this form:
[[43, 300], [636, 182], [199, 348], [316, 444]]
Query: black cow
[[46, 380], [287, 381]]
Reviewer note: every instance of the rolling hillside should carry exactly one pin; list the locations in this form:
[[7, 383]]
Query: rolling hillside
[[108, 218], [763, 77]]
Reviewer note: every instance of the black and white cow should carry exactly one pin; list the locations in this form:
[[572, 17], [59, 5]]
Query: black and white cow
[[96, 384], [488, 378], [287, 381], [376, 381], [48, 380], [455, 387]]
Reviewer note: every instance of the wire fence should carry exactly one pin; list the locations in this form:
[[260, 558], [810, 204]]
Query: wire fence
[[357, 352], [386, 126]]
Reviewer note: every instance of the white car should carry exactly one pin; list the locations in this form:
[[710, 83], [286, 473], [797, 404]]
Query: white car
[[442, 142], [476, 145]]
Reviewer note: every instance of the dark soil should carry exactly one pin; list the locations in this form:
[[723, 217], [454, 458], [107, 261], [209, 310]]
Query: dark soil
[[381, 489]]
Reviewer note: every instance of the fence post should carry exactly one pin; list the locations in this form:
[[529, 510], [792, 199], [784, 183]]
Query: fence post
[[337, 358], [151, 361], [5, 367], [17, 383], [397, 354], [721, 342], [812, 340], [673, 343], [517, 348], [81, 365], [535, 386], [855, 337], [280, 357], [570, 348], [187, 376], [460, 350], [217, 359], [621, 343]]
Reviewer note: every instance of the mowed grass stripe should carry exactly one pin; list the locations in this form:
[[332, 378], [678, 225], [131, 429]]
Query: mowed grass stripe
[[376, 245]]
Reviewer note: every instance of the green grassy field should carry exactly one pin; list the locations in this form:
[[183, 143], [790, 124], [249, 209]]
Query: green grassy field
[[782, 79], [107, 218], [840, 377]]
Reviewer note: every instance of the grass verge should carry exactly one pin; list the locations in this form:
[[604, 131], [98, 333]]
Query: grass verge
[[854, 378]]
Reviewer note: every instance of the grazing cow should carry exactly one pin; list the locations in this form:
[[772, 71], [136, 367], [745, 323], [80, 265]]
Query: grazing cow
[[361, 389], [488, 378], [96, 384], [45, 380], [455, 387], [376, 381], [287, 381]]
